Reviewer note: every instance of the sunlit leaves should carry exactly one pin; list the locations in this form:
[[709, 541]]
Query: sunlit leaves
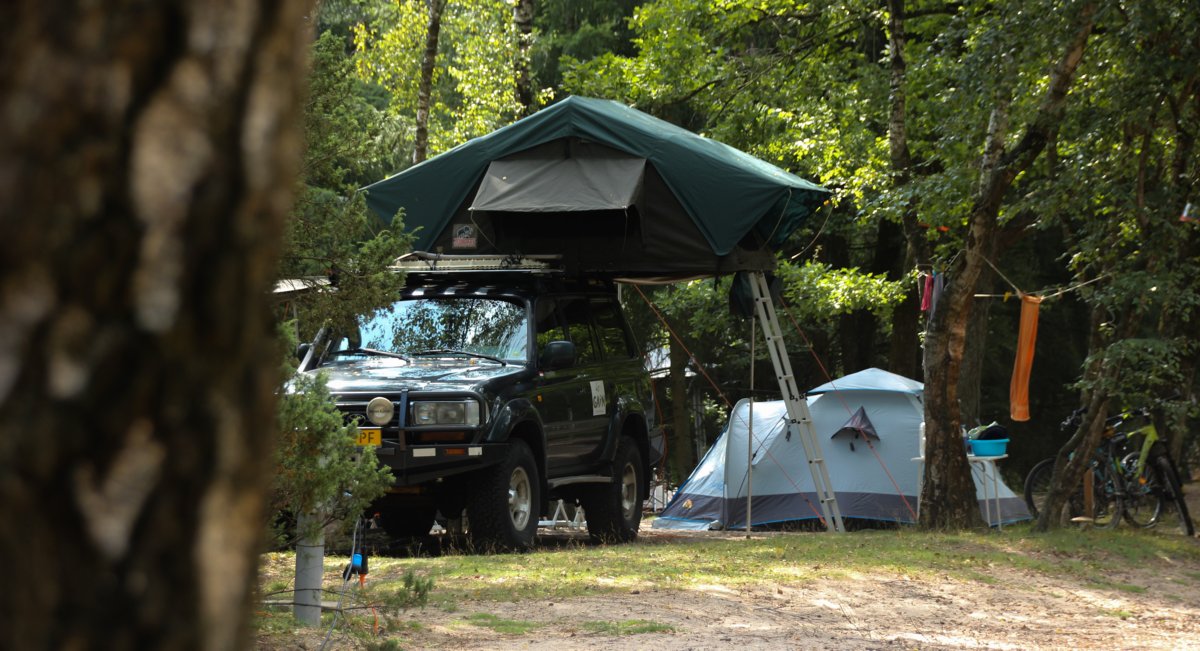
[[475, 76]]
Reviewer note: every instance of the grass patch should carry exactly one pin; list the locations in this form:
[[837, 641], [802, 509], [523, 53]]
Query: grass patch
[[1122, 587], [272, 623], [1120, 614], [627, 627], [501, 625], [793, 558], [686, 563]]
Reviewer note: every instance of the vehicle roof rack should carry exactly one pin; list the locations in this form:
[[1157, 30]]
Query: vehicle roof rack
[[425, 262]]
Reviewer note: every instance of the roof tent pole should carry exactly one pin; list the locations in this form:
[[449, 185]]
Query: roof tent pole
[[799, 418], [750, 434]]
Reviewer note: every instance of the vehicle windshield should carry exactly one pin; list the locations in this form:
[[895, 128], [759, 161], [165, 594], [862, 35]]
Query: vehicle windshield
[[490, 328]]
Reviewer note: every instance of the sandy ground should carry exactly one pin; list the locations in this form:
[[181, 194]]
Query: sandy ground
[[1022, 611], [1016, 610]]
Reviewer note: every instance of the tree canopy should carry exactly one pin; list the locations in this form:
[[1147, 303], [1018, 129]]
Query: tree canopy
[[1013, 147]]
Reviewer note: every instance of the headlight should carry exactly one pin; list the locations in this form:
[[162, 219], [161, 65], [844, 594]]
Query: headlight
[[380, 411], [444, 412]]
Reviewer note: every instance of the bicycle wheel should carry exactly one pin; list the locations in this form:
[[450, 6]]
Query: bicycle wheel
[[1144, 495], [1107, 497], [1037, 486], [1177, 515]]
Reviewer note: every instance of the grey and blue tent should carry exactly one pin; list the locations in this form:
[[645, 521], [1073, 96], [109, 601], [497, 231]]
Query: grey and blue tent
[[869, 426]]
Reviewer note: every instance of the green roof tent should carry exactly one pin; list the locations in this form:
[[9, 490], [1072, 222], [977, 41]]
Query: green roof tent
[[611, 189]]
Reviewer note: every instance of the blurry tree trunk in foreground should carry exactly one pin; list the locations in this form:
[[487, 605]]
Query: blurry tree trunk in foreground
[[147, 161]]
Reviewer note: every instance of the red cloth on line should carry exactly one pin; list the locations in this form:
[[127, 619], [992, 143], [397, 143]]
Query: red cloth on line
[[1018, 391], [927, 296]]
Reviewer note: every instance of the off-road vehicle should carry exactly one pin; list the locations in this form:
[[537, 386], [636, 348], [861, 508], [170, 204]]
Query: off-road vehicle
[[499, 392]]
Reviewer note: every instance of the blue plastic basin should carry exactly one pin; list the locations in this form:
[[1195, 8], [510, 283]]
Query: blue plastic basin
[[992, 448]]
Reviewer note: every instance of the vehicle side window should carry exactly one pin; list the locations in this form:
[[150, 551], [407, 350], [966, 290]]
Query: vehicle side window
[[579, 325], [612, 332], [548, 326]]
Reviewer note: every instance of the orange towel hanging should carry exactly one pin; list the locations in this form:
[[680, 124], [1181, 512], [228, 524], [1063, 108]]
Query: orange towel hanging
[[1018, 391]]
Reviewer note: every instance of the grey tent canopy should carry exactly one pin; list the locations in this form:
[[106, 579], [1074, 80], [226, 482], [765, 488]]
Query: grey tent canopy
[[611, 189], [884, 485]]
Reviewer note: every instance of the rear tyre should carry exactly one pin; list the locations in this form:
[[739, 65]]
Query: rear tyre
[[505, 505], [1178, 509], [1106, 498], [1037, 486], [614, 510], [1144, 494]]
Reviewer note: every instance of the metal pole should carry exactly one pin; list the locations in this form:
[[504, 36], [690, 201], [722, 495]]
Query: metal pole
[[750, 434]]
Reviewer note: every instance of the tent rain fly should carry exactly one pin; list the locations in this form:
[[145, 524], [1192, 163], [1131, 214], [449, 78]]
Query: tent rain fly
[[611, 189]]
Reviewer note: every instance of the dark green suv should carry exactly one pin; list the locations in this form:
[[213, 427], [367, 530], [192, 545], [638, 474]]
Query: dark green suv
[[500, 392]]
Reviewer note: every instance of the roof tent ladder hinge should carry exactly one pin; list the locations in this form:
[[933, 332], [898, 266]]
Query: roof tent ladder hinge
[[795, 402]]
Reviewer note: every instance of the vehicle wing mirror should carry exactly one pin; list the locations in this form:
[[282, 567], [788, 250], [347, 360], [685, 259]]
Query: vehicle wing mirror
[[556, 355], [302, 351]]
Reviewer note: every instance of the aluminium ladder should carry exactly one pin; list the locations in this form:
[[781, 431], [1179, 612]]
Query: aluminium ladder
[[799, 418]]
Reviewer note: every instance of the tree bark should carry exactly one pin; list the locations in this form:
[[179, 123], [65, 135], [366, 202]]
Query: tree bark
[[1068, 470], [948, 496], [148, 154], [425, 84], [970, 380], [904, 353], [523, 22], [683, 455]]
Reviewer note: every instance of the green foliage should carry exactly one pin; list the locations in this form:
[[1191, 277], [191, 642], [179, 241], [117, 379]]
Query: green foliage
[[331, 233], [318, 467], [413, 591], [474, 80]]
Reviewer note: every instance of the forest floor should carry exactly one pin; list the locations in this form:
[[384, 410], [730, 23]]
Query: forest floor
[[1015, 610], [715, 590]]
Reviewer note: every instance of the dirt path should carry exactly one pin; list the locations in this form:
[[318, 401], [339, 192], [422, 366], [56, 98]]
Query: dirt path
[[1015, 611]]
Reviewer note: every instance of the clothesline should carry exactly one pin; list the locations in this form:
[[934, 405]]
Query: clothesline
[[1017, 292]]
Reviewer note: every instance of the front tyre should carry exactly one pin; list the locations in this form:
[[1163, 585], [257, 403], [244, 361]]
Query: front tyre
[[1178, 508], [614, 510], [1144, 492], [504, 506]]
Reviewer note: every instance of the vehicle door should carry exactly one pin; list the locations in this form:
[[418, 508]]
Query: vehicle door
[[556, 397], [593, 401]]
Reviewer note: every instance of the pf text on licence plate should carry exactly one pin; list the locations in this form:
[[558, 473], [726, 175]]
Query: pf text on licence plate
[[372, 436]]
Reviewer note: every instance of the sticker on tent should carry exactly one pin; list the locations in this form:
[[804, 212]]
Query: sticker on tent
[[598, 400], [464, 237]]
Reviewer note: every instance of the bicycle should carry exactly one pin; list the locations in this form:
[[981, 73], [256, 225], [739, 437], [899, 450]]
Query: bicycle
[[1102, 505], [1151, 481], [1136, 485]]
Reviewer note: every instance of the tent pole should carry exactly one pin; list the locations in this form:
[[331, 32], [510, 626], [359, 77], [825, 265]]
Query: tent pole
[[750, 435]]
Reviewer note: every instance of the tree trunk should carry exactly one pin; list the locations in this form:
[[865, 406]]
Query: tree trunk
[[523, 22], [904, 352], [425, 84], [150, 153], [970, 379], [948, 495], [310, 568], [683, 456], [1068, 471]]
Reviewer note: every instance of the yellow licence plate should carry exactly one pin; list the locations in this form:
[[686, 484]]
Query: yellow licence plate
[[369, 437]]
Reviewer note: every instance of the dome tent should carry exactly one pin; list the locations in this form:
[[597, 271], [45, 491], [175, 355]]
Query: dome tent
[[863, 482]]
